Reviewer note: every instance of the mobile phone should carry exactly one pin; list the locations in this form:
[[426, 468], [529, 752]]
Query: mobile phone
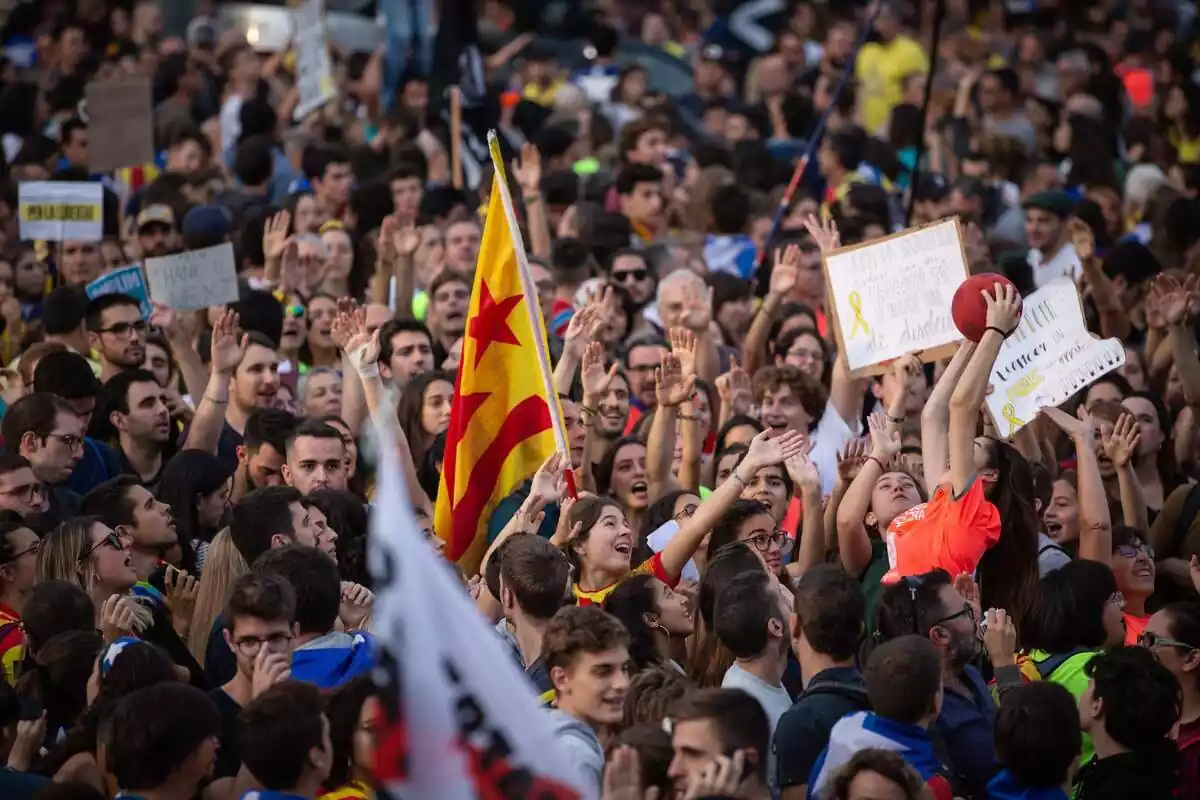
[[31, 708]]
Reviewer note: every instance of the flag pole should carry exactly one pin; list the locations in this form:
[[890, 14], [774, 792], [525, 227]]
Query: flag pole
[[532, 307]]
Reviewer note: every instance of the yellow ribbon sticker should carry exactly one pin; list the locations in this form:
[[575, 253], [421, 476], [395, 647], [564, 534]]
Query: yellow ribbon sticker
[[860, 322], [1010, 415]]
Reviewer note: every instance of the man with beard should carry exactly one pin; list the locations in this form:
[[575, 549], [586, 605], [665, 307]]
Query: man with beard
[[136, 516], [262, 454], [20, 490], [44, 429], [156, 231], [932, 606], [449, 298], [316, 458], [117, 333], [137, 409]]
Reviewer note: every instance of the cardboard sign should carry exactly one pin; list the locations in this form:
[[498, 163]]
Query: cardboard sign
[[314, 71], [120, 123], [60, 211], [892, 295], [195, 279], [126, 280], [1050, 357]]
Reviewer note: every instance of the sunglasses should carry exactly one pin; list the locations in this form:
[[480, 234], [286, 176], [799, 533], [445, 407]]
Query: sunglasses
[[1151, 640], [630, 276], [111, 540]]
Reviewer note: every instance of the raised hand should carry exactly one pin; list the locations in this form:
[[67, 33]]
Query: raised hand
[[906, 367], [683, 346], [1173, 298], [355, 609], [269, 669], [583, 327], [349, 333], [786, 270], [1003, 307], [851, 461], [182, 591], [275, 235], [594, 377], [167, 320], [228, 348], [803, 471], [528, 169], [1121, 444], [1000, 638], [117, 618], [766, 450], [884, 445], [1083, 238], [549, 482], [736, 389], [824, 233], [671, 387], [697, 308], [1081, 428]]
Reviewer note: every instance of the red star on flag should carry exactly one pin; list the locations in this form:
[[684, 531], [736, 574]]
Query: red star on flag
[[491, 323]]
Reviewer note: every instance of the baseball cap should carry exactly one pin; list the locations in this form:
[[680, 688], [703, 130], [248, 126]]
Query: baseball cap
[[207, 222], [159, 213]]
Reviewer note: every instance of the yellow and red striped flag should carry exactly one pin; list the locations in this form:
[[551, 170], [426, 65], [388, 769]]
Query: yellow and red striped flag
[[505, 419]]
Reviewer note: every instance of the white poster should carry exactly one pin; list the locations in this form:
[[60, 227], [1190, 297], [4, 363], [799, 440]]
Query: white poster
[[314, 71], [60, 211], [195, 279], [1050, 357], [893, 295]]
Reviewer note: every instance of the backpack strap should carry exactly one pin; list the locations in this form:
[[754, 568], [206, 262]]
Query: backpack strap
[[1052, 546], [856, 694], [1047, 666]]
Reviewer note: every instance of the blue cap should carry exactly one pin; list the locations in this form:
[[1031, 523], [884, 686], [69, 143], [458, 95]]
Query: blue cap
[[115, 649], [207, 222]]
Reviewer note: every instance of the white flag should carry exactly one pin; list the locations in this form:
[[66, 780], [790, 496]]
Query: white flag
[[463, 721]]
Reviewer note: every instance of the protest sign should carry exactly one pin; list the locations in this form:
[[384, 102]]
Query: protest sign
[[126, 280], [60, 211], [893, 295], [195, 279], [120, 123], [1049, 357], [314, 71]]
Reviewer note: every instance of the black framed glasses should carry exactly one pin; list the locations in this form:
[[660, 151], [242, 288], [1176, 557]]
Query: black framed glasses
[[250, 645], [1133, 549], [123, 329], [34, 548], [762, 542], [1151, 640], [69, 440], [112, 540], [26, 493], [967, 610]]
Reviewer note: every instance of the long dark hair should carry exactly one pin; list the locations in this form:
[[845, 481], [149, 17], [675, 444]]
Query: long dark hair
[[1008, 571], [347, 516], [408, 410], [1068, 609], [187, 477], [630, 602], [604, 470], [344, 709], [1168, 467]]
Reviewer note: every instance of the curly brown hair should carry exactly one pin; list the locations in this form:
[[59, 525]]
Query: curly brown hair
[[811, 394]]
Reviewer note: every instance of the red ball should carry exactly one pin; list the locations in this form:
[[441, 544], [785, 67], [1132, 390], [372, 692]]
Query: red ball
[[968, 307]]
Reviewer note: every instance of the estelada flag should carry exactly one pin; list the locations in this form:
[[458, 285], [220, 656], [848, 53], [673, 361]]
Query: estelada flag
[[501, 421]]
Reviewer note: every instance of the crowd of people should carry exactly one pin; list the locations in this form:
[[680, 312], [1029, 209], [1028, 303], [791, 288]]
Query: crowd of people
[[750, 574]]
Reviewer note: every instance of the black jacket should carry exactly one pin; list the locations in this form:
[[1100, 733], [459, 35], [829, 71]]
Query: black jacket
[[1147, 774]]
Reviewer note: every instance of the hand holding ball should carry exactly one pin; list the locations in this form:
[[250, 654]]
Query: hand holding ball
[[983, 301]]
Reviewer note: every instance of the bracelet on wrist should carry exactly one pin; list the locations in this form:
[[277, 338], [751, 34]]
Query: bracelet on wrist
[[738, 477], [224, 402], [894, 420], [877, 461], [1003, 334]]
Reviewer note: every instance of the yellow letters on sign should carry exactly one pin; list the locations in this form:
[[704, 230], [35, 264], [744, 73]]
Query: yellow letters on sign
[[60, 212]]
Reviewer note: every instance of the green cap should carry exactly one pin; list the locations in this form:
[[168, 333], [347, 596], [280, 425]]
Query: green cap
[[1054, 202]]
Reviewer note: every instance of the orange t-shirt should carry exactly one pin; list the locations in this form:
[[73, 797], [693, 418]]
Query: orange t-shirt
[[944, 534], [1133, 628]]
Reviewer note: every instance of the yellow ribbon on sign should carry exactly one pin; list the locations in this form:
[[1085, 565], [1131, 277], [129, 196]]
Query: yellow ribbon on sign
[[1010, 415], [860, 322]]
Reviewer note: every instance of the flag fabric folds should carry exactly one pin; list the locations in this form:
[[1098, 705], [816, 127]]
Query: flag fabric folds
[[501, 421], [461, 719]]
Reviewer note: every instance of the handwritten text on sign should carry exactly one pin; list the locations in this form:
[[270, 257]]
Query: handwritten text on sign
[[195, 279], [893, 295], [61, 211], [314, 71], [1050, 357]]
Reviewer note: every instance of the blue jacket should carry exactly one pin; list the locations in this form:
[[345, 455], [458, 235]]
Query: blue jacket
[[865, 729], [100, 462], [333, 659], [1004, 787]]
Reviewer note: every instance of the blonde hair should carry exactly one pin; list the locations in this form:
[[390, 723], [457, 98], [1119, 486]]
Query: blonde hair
[[66, 554], [697, 212], [222, 567]]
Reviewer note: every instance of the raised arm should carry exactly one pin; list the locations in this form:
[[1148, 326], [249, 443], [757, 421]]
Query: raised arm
[[672, 387], [528, 172], [1175, 299], [854, 544], [583, 328], [547, 487], [1095, 521], [783, 280], [1121, 446], [228, 349], [810, 538], [595, 380], [764, 452], [1003, 314], [179, 336], [935, 418], [1114, 322]]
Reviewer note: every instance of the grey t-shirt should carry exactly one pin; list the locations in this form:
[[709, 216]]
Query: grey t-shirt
[[775, 700], [1050, 556]]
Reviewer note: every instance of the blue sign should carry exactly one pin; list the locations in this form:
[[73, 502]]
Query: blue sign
[[126, 280]]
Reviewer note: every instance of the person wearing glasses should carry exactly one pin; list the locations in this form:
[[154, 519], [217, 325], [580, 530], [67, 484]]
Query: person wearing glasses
[[1133, 567], [1173, 636], [42, 428], [260, 630], [20, 490], [19, 545], [117, 333]]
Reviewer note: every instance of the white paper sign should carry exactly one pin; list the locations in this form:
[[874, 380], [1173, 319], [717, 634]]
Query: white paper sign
[[195, 279], [1049, 358], [314, 72], [893, 295], [60, 211]]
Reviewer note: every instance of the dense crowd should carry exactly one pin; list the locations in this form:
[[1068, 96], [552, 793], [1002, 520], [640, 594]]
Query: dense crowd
[[747, 571]]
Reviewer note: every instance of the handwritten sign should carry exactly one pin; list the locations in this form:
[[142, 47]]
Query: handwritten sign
[[60, 211], [120, 123], [314, 71], [1050, 357], [126, 280], [892, 295], [195, 279]]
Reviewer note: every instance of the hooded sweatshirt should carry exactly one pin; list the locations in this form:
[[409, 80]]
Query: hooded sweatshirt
[[579, 743], [333, 659], [866, 729]]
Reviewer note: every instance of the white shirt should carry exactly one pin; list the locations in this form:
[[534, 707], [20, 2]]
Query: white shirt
[[829, 439], [230, 122], [1065, 262]]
